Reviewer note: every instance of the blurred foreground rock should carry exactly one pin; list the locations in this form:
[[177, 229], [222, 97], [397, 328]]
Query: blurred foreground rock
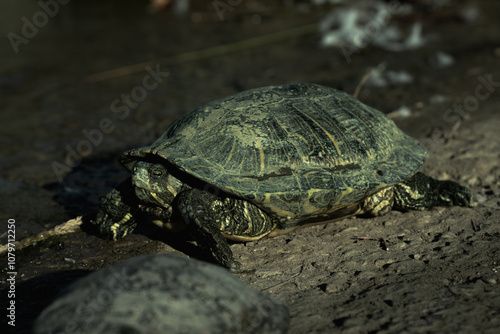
[[162, 293]]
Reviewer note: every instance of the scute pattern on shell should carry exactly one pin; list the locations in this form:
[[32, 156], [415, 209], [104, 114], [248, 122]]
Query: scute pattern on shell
[[297, 151]]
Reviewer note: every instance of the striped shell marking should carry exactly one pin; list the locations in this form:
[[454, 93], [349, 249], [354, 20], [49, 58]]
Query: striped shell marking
[[298, 151]]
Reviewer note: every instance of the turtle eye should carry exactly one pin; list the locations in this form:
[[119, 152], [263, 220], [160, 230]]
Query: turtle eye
[[157, 171]]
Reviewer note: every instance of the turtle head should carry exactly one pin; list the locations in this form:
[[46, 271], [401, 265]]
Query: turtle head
[[154, 185]]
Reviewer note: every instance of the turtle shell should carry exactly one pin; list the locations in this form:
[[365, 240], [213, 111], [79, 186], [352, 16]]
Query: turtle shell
[[297, 151]]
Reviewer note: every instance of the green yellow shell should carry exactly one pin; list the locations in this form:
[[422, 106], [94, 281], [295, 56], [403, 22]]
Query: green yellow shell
[[297, 151]]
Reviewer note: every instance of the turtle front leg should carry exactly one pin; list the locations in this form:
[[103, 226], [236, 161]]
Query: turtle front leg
[[115, 216], [422, 191], [211, 219]]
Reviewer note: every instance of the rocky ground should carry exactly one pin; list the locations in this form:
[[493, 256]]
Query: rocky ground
[[426, 271]]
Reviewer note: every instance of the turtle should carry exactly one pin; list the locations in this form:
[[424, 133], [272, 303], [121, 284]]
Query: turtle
[[266, 161]]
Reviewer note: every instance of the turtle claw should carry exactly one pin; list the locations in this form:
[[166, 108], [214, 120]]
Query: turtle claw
[[222, 255], [455, 194], [114, 218]]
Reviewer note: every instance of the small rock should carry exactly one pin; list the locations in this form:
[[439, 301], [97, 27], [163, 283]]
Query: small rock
[[471, 180], [339, 282], [489, 179], [162, 293], [489, 280], [481, 199], [382, 262], [417, 256], [401, 112]]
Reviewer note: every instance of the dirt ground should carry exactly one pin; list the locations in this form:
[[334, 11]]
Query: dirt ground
[[432, 271]]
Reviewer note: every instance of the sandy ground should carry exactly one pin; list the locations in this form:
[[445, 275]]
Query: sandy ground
[[407, 272]]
